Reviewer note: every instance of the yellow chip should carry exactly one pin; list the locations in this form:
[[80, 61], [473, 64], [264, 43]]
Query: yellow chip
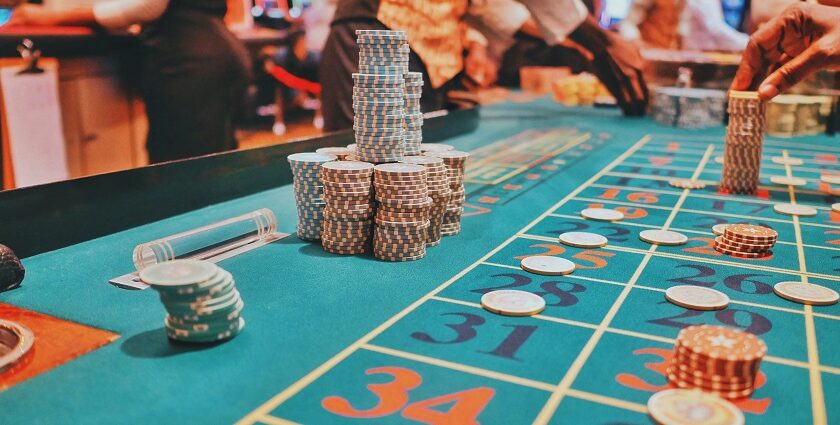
[[806, 293], [692, 407]]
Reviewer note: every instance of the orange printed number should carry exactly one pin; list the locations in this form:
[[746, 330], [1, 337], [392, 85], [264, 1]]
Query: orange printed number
[[598, 259], [392, 395], [834, 241], [708, 247], [465, 408], [643, 197], [548, 249], [629, 212]]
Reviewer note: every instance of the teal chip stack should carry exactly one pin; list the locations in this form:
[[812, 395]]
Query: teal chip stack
[[379, 95], [309, 192], [201, 300], [413, 116]]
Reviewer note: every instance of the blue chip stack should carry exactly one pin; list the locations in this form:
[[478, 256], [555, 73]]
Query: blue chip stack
[[379, 95], [413, 115]]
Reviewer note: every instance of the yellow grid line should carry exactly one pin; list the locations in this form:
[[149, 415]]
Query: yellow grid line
[[307, 379], [777, 144]]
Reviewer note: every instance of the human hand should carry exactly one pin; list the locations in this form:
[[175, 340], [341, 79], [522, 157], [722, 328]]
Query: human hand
[[798, 42], [32, 14], [481, 71]]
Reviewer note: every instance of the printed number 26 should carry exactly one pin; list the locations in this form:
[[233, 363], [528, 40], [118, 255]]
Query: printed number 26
[[393, 396]]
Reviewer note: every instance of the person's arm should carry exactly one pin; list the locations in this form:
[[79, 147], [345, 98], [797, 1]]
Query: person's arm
[[800, 41], [115, 14]]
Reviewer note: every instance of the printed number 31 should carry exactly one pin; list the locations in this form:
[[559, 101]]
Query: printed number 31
[[393, 396]]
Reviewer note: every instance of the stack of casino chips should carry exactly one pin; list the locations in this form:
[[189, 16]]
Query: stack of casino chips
[[413, 114], [744, 139], [437, 181], [402, 218], [309, 192], [348, 215], [746, 241], [379, 95], [455, 162], [339, 152], [435, 147], [201, 300], [717, 359]]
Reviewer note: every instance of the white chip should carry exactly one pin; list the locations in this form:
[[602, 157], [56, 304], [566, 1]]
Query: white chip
[[781, 160], [696, 297], [547, 265], [795, 209], [830, 178], [692, 407], [720, 229], [806, 293], [601, 214], [788, 181], [583, 240], [663, 237], [511, 302], [835, 207], [686, 184]]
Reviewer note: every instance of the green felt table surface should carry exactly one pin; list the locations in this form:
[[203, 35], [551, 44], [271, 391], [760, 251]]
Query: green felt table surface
[[326, 334]]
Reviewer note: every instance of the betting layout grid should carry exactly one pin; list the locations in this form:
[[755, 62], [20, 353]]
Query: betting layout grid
[[636, 184]]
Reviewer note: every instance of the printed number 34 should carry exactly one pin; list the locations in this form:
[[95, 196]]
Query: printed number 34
[[393, 396]]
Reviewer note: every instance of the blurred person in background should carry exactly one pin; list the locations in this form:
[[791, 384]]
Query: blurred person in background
[[195, 72]]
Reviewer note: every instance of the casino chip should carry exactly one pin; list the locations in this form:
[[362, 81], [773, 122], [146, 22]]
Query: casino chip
[[830, 178], [601, 214], [744, 140], [200, 299], [510, 302], [781, 160], [547, 265], [692, 407], [686, 184], [835, 207], [806, 293], [348, 215], [403, 217], [663, 237], [788, 181], [746, 241], [795, 209], [455, 166], [583, 240], [338, 151], [696, 297], [309, 192], [716, 359], [437, 183], [718, 229], [435, 147]]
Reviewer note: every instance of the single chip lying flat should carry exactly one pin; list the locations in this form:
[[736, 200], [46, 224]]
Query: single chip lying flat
[[795, 209], [696, 297], [583, 240], [806, 293], [663, 237], [692, 407], [719, 229], [510, 302], [788, 181], [547, 265], [830, 178], [601, 214], [782, 160]]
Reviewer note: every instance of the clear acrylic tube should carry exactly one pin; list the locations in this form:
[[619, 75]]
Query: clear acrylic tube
[[208, 241]]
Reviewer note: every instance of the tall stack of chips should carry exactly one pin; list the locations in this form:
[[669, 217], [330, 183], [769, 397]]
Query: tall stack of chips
[[341, 153], [746, 241], [308, 192], [437, 181], [348, 215], [455, 163], [402, 218], [717, 359], [413, 115], [379, 95], [201, 300], [744, 139]]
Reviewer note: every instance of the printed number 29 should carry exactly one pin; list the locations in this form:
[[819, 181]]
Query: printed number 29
[[393, 396]]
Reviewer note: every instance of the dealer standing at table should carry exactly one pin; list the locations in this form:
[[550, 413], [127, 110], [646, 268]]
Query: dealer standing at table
[[438, 39], [195, 71]]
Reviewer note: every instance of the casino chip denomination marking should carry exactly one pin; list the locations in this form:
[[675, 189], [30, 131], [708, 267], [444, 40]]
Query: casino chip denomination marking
[[547, 265], [583, 240], [509, 302], [601, 214], [806, 293], [795, 209], [692, 407], [663, 237], [201, 301], [696, 297]]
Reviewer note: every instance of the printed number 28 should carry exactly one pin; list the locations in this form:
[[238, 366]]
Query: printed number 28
[[393, 396]]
